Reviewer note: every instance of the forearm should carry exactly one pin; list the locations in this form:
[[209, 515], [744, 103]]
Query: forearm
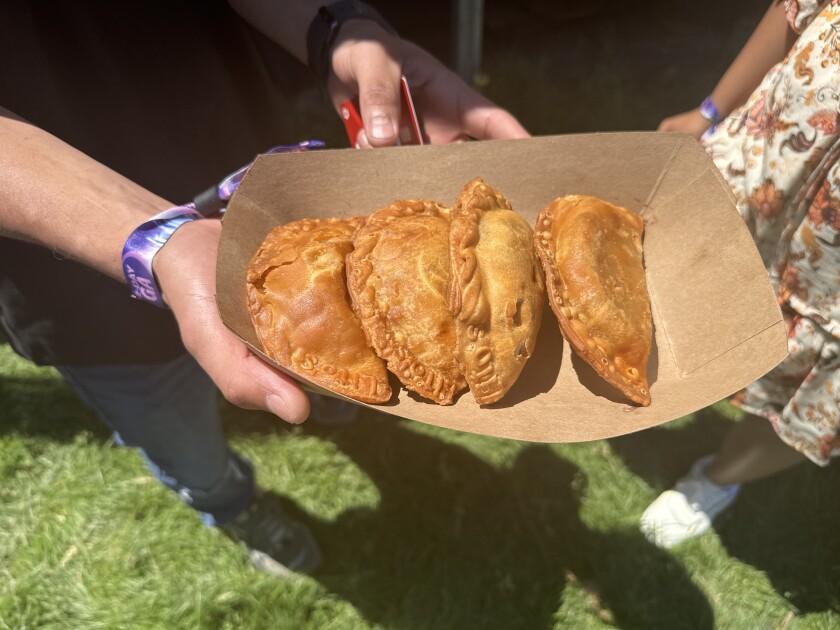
[[54, 195], [767, 46], [285, 23]]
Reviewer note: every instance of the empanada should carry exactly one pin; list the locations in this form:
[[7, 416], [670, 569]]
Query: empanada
[[496, 293], [591, 251], [301, 310], [397, 276]]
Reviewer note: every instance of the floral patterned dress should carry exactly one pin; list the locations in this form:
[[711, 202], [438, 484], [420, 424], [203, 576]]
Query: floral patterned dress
[[780, 153]]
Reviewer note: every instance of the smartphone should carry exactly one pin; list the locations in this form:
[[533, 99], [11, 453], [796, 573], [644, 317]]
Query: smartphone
[[409, 126]]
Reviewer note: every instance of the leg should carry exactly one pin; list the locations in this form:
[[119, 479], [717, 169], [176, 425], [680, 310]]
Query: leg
[[170, 413], [752, 450], [798, 395]]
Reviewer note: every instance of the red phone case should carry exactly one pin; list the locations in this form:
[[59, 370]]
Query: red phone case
[[409, 127]]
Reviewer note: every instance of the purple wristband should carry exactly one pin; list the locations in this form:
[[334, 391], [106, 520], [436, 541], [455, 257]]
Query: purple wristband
[[142, 245], [229, 184], [709, 111]]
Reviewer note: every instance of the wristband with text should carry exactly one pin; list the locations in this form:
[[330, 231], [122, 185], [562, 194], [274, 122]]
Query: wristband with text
[[144, 243]]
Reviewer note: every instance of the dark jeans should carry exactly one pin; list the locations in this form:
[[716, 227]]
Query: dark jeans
[[169, 411]]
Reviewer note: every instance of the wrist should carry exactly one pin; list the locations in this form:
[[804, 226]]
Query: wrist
[[700, 120], [326, 29], [142, 247], [710, 112], [191, 249]]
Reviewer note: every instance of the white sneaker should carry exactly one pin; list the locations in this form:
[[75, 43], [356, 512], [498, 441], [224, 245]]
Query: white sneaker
[[686, 511]]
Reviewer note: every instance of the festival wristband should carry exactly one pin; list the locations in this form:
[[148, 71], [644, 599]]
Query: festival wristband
[[709, 111], [213, 200], [229, 184], [144, 243]]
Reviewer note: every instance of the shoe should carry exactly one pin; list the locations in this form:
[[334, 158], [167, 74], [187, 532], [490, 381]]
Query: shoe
[[329, 411], [688, 510], [276, 544]]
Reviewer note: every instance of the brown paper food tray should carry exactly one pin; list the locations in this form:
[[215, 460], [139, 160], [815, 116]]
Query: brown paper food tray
[[717, 325]]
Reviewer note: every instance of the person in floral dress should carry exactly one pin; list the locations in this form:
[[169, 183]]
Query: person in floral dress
[[779, 149]]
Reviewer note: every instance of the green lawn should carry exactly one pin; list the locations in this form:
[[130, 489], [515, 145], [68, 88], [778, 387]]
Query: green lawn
[[421, 528]]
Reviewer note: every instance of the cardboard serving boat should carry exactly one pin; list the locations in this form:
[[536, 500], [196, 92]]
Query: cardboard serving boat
[[717, 324]]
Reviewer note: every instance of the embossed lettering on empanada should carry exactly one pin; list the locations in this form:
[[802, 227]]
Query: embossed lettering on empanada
[[496, 293], [301, 311], [591, 251], [397, 277]]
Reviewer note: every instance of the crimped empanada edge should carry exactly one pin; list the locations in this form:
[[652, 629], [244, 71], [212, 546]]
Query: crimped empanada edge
[[398, 359], [544, 245], [466, 299], [257, 307]]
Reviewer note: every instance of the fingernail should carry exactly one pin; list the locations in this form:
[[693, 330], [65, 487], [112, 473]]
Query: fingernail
[[382, 127], [361, 140]]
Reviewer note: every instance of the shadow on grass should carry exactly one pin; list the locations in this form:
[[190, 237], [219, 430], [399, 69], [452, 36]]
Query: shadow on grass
[[785, 525], [456, 542], [45, 407], [458, 539], [662, 455]]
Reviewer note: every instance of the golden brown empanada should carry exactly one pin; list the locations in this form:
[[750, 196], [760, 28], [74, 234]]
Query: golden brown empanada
[[496, 293], [397, 276], [591, 251], [302, 313]]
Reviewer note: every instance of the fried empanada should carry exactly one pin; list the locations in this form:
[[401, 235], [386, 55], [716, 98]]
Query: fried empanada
[[397, 276], [591, 251], [301, 310], [496, 293]]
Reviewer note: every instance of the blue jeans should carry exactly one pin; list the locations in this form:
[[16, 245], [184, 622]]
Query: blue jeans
[[169, 411]]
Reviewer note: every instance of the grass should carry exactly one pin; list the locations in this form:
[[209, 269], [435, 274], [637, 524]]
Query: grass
[[423, 527]]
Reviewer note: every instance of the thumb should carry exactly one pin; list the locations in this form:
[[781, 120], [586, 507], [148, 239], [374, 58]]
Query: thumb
[[253, 384], [379, 100]]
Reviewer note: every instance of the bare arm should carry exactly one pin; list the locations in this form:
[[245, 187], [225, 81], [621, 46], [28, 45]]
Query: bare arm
[[56, 196], [766, 47], [59, 197], [285, 23]]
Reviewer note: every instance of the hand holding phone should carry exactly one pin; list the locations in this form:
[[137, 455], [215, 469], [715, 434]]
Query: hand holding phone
[[409, 126]]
